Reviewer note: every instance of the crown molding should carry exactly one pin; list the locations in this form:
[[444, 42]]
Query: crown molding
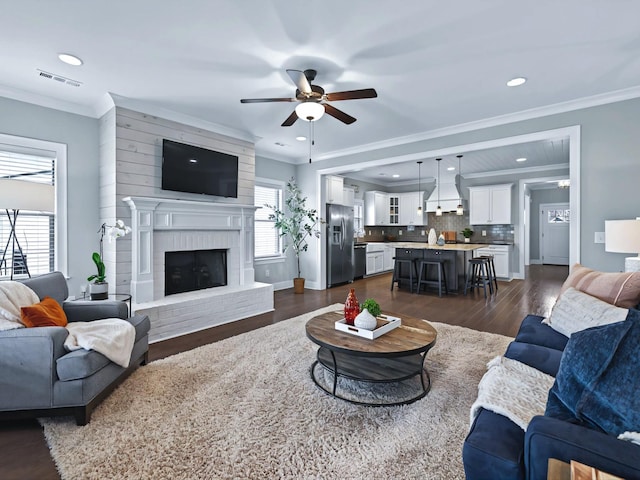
[[46, 101], [557, 108], [167, 114]]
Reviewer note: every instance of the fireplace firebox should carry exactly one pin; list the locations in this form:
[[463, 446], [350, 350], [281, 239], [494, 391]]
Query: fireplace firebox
[[187, 271]]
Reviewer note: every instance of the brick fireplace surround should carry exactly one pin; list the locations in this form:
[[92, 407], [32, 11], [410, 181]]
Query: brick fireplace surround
[[160, 225]]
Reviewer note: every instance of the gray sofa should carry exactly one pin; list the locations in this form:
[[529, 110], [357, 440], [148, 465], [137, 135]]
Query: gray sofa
[[39, 378]]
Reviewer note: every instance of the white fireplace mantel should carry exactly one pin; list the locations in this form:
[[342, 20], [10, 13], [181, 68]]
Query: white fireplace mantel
[[154, 214]]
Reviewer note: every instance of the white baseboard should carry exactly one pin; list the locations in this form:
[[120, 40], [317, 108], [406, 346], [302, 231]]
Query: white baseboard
[[283, 285], [535, 261]]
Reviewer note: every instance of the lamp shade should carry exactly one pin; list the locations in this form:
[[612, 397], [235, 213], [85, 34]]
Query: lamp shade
[[622, 236], [309, 111], [21, 195]]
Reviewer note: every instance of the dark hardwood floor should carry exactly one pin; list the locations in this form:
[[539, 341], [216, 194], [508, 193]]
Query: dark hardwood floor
[[23, 451]]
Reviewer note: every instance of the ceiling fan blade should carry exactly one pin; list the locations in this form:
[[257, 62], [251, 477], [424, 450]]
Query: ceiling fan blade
[[264, 100], [352, 94], [300, 80], [291, 119], [339, 114]]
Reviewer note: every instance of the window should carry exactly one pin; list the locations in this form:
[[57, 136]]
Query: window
[[558, 216], [268, 242], [34, 230]]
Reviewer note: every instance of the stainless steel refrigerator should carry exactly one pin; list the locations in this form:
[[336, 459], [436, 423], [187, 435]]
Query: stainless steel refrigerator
[[339, 244]]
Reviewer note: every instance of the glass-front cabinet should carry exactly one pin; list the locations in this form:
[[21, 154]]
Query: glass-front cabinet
[[394, 209]]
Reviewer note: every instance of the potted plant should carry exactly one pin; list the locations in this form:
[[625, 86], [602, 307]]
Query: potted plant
[[298, 223], [99, 289], [466, 233]]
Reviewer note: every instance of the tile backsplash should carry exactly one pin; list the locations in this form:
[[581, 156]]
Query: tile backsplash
[[448, 221]]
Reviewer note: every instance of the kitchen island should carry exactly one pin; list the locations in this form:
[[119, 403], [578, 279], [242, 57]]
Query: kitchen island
[[454, 256]]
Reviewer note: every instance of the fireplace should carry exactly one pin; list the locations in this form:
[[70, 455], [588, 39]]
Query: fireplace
[[187, 271], [162, 225]]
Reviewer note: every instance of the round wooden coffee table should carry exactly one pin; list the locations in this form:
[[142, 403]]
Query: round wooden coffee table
[[393, 357]]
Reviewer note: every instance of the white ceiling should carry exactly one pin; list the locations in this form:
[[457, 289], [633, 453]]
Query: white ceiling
[[433, 64]]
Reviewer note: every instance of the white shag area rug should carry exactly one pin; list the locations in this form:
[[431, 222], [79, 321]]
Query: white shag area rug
[[246, 408]]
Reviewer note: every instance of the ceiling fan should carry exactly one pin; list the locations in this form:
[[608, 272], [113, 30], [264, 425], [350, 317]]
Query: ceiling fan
[[313, 100]]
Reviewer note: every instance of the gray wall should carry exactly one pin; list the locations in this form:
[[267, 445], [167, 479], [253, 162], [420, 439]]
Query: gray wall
[[553, 195], [608, 175], [609, 171], [80, 134]]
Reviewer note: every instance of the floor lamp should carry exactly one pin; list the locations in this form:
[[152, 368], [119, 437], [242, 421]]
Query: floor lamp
[[16, 195], [623, 236]]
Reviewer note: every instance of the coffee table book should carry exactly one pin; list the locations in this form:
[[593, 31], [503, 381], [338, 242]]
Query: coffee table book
[[386, 323]]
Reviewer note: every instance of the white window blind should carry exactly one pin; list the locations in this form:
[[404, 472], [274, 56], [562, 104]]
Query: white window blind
[[34, 230], [267, 240]]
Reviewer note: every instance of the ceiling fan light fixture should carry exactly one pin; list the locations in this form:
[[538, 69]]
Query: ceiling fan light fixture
[[310, 111]]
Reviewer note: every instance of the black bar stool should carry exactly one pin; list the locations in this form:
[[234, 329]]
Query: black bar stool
[[397, 266], [478, 275], [423, 267], [492, 271]]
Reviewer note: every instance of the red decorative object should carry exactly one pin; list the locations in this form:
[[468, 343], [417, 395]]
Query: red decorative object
[[351, 307]]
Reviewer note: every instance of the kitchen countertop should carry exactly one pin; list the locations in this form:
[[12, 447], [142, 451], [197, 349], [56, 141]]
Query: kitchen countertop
[[455, 247]]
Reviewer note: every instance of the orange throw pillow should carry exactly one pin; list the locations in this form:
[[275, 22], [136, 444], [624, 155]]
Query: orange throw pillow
[[47, 313], [619, 289]]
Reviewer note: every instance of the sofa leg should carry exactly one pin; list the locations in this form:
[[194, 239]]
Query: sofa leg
[[145, 358], [83, 416]]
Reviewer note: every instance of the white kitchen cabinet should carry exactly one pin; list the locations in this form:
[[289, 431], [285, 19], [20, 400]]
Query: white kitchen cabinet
[[375, 262], [490, 205], [348, 196], [376, 208], [389, 253], [409, 203], [501, 258], [375, 258], [334, 191]]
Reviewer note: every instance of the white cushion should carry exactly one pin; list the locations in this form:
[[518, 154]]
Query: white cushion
[[13, 296], [575, 311]]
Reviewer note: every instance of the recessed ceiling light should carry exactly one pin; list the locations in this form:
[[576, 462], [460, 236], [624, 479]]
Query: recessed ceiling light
[[193, 160], [395, 175], [521, 159], [516, 82], [70, 59], [451, 169], [301, 138]]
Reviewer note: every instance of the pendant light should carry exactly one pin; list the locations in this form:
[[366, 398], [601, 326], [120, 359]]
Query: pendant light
[[419, 162], [459, 208], [438, 208]]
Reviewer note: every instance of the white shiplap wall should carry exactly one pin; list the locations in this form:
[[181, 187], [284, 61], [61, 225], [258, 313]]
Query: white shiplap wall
[[130, 165]]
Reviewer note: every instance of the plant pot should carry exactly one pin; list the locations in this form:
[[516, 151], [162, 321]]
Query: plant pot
[[467, 240], [298, 285], [99, 291]]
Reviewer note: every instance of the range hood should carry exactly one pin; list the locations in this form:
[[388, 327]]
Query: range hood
[[448, 193]]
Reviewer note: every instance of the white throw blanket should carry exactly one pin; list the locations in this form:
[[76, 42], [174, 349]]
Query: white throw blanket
[[13, 296], [514, 390], [112, 337]]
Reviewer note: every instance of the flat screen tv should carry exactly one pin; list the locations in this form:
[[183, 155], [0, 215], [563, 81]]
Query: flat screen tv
[[187, 168]]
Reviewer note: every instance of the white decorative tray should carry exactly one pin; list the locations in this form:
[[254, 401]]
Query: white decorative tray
[[386, 323]]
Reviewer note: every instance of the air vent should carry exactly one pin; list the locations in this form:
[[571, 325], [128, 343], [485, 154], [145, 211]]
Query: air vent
[[59, 78]]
